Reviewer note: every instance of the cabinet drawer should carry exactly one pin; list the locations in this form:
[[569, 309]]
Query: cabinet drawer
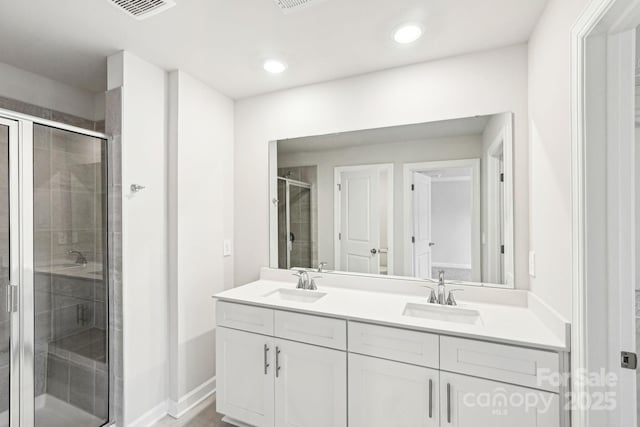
[[515, 365], [418, 348], [316, 330], [244, 317]]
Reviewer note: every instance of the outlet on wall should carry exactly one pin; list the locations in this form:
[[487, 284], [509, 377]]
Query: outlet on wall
[[226, 248]]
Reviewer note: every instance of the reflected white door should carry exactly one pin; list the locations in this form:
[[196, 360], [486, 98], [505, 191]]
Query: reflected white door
[[360, 221], [422, 225]]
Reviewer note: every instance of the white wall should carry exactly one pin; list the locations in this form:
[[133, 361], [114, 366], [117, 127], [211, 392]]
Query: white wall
[[478, 84], [31, 88], [397, 153], [550, 152], [200, 218], [451, 223], [144, 231]]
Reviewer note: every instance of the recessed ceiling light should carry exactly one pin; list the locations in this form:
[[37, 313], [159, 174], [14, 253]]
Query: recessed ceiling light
[[407, 34], [275, 67]]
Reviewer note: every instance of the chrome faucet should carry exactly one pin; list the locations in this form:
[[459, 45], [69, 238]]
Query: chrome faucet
[[441, 297], [80, 258], [441, 288], [306, 282], [321, 266]]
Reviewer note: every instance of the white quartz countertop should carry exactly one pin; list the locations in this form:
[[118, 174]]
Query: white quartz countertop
[[516, 324]]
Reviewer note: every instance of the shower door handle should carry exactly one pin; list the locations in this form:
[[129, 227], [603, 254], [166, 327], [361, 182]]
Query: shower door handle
[[11, 298]]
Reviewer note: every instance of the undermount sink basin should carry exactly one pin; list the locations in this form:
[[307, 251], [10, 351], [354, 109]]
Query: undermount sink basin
[[443, 313], [295, 295]]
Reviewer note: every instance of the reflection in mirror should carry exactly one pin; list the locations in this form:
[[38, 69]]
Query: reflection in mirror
[[408, 200]]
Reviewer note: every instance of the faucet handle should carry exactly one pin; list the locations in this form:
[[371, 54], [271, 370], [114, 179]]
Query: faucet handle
[[312, 283], [451, 299], [300, 284], [433, 298]]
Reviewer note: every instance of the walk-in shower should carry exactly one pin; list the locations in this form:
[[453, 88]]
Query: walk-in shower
[[54, 340], [294, 224]]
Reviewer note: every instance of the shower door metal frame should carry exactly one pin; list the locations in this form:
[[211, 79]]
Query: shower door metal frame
[[287, 188], [21, 246]]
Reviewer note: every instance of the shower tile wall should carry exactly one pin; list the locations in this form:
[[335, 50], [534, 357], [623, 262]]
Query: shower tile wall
[[307, 228], [71, 340]]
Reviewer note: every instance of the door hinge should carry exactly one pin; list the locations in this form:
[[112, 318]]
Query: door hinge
[[12, 299], [501, 177], [628, 360], [413, 239], [502, 249], [339, 236], [413, 187], [339, 187]]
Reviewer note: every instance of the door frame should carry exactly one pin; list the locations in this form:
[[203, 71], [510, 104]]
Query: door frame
[[408, 170], [337, 209], [599, 55]]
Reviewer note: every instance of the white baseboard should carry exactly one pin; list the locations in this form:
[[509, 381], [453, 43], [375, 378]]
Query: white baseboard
[[152, 416], [192, 399]]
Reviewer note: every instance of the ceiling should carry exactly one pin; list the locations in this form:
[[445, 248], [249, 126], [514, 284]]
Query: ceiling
[[225, 42], [406, 133]]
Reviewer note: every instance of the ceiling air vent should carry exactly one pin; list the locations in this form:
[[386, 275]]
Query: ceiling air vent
[[142, 9], [289, 6]]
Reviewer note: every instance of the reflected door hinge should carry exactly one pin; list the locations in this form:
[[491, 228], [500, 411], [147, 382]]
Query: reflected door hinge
[[413, 187], [12, 299], [502, 249], [501, 177], [339, 236], [628, 360], [339, 187], [413, 239]]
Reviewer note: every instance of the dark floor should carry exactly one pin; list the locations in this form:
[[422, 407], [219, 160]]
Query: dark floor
[[203, 415]]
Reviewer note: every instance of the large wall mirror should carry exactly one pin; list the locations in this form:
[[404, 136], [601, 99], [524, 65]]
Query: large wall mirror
[[408, 201]]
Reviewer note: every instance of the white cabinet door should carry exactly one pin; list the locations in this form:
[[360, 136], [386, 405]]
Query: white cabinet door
[[384, 393], [244, 376], [311, 386], [473, 402]]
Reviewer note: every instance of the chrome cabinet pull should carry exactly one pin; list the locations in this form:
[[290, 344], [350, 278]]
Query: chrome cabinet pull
[[266, 358], [277, 361], [430, 398], [449, 403]]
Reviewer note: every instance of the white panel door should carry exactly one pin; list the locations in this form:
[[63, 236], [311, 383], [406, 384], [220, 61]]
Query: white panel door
[[311, 386], [383, 393], [422, 226], [244, 376], [473, 402], [360, 221]]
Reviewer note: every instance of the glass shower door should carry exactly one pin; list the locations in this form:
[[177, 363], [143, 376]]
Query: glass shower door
[[5, 316], [70, 279]]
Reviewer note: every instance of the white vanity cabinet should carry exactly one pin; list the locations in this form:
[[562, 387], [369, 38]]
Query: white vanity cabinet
[[475, 402], [384, 393], [244, 376], [310, 386], [266, 381], [284, 369]]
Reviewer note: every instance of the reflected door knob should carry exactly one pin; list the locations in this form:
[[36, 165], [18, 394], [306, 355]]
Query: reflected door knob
[[431, 244], [374, 251]]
